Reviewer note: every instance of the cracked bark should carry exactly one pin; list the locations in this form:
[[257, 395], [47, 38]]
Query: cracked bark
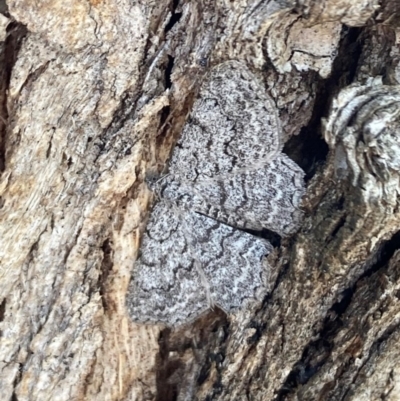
[[93, 94]]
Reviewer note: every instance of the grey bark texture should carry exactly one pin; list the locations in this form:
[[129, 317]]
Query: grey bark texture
[[94, 94]]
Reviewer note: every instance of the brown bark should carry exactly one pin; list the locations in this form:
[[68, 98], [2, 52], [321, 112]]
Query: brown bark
[[93, 94]]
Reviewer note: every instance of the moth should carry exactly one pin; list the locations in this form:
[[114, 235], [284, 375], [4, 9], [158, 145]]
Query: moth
[[227, 172]]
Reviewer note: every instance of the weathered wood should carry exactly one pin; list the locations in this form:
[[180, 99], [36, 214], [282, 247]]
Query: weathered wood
[[93, 95]]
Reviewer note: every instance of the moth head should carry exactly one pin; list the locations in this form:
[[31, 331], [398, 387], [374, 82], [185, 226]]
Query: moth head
[[156, 182], [152, 180]]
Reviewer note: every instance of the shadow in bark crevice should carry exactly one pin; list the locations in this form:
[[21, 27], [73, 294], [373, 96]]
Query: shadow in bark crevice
[[175, 17], [105, 269], [269, 235], [383, 256], [3, 306], [17, 379], [308, 149], [8, 56], [168, 71], [316, 354]]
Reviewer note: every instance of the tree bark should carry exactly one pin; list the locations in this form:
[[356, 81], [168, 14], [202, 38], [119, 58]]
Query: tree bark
[[93, 95]]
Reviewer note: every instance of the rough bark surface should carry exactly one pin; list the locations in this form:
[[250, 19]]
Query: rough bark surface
[[93, 95]]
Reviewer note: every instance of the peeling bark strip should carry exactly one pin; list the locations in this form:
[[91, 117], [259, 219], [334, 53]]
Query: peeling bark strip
[[94, 95]]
